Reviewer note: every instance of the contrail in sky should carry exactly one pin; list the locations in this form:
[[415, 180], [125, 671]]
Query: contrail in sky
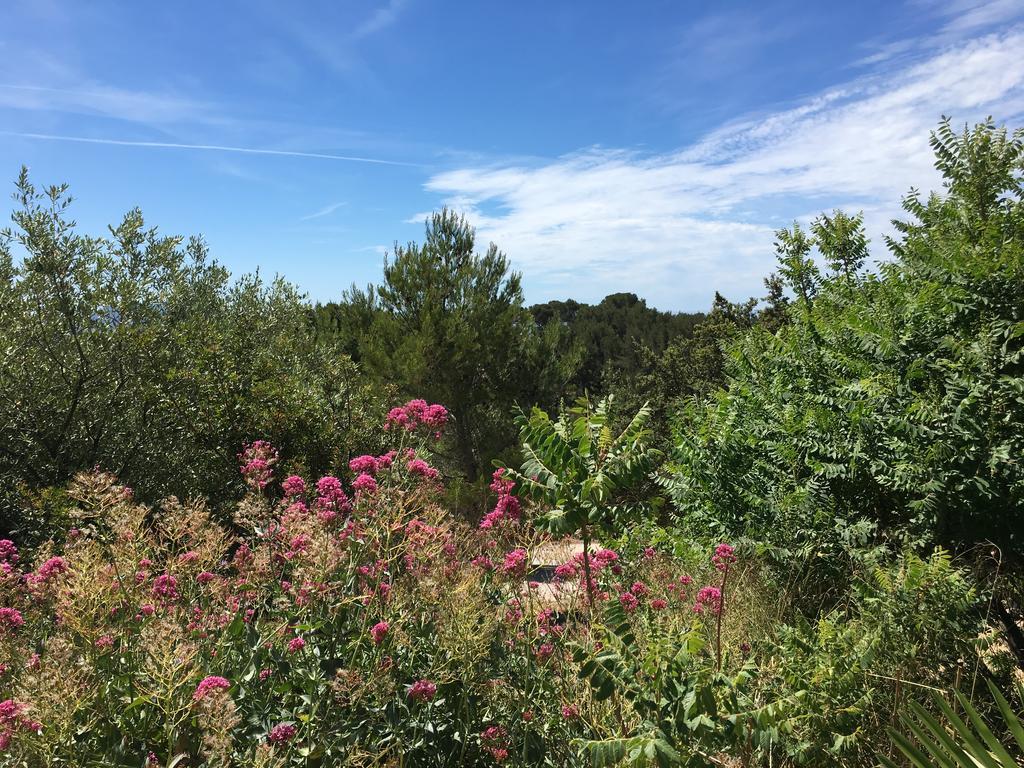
[[208, 147]]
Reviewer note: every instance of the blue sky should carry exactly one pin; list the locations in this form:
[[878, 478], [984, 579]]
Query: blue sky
[[649, 147]]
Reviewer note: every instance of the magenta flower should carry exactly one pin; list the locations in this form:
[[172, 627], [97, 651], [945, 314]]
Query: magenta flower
[[293, 486], [724, 557], [210, 683], [422, 691], [165, 587], [710, 598], [282, 733], [296, 644], [365, 484], [628, 601], [361, 464], [11, 619], [515, 563], [379, 631]]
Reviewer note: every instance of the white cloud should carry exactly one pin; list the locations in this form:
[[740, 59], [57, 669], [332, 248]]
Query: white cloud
[[677, 226], [108, 101], [327, 210]]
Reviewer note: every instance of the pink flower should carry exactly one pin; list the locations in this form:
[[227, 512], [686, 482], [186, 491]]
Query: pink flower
[[205, 577], [361, 464], [211, 683], [420, 467], [639, 588], [515, 563], [659, 604], [379, 631], [8, 552], [494, 740], [11, 619], [708, 597], [365, 484], [422, 690], [293, 486], [165, 587], [257, 461], [724, 557], [628, 601], [544, 652], [649, 553], [52, 567], [147, 609], [570, 712], [416, 413], [296, 644], [265, 673], [281, 733], [105, 642]]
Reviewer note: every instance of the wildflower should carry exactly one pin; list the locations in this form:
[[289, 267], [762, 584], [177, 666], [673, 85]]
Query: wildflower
[[565, 571], [8, 551], [570, 712], [494, 741], [104, 643], [628, 601], [659, 604], [384, 461], [265, 673], [147, 609], [527, 715], [364, 464], [282, 733], [293, 486], [515, 563], [483, 562], [420, 467], [165, 587], [205, 577], [365, 484], [10, 619], [52, 567], [649, 553], [417, 413], [256, 462], [208, 684], [422, 691], [544, 652], [638, 588], [708, 597], [379, 631], [296, 644], [724, 557]]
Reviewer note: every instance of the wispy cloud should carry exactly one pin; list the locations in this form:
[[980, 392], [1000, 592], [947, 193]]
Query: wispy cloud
[[108, 101], [207, 147], [679, 225], [325, 211], [382, 18]]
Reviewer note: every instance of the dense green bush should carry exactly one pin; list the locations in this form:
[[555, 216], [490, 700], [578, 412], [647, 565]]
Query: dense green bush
[[136, 353], [893, 397]]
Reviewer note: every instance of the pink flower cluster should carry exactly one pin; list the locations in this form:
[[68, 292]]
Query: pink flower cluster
[[515, 563], [209, 684], [331, 499], [293, 487], [10, 619], [494, 740], [282, 733], [724, 556], [365, 485], [420, 467], [257, 462], [379, 631], [708, 598], [12, 719], [507, 508], [422, 691], [371, 465], [417, 413]]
